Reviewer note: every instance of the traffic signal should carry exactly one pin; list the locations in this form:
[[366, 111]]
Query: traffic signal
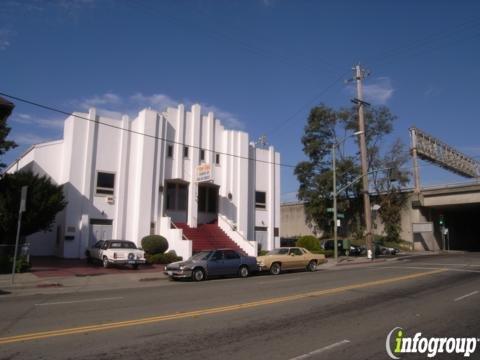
[[441, 220]]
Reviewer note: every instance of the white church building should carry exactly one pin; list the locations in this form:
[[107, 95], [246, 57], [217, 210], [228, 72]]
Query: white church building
[[177, 173]]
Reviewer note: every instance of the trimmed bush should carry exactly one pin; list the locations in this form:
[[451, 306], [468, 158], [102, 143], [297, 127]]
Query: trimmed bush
[[166, 258], [154, 244], [309, 242]]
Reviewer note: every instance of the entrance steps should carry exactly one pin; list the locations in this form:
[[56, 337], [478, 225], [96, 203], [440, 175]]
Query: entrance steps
[[208, 237]]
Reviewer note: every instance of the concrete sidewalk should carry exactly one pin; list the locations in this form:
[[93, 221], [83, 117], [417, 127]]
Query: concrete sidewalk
[[80, 280]]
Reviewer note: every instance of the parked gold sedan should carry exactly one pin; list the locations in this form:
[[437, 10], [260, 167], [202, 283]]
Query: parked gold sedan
[[289, 258]]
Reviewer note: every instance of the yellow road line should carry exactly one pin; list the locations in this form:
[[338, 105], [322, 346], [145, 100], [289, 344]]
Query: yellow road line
[[208, 311]]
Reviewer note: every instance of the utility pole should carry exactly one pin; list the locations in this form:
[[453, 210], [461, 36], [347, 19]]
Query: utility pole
[[334, 168], [359, 74]]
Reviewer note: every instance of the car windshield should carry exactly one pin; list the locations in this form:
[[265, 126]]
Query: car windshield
[[282, 251], [122, 245], [202, 255]]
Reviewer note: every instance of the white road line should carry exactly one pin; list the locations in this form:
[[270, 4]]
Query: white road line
[[318, 351], [78, 301], [465, 296]]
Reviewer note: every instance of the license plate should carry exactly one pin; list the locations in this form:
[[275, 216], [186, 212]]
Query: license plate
[[170, 272]]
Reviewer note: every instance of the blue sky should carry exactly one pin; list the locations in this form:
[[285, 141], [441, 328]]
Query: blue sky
[[259, 64]]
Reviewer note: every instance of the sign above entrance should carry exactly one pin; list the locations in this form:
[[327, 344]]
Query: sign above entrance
[[422, 227], [204, 173]]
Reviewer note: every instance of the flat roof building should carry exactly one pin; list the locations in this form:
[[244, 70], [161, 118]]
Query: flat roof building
[[177, 173]]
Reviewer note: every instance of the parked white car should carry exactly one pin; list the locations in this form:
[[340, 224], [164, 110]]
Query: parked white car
[[111, 252]]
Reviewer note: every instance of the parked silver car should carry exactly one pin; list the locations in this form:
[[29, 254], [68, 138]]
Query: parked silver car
[[212, 263]]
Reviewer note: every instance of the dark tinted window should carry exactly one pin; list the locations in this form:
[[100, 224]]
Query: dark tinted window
[[171, 194], [260, 199], [105, 183], [98, 244], [122, 245], [218, 255], [230, 255]]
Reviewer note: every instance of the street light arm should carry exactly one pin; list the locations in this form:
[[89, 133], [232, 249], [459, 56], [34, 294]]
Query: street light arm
[[358, 178]]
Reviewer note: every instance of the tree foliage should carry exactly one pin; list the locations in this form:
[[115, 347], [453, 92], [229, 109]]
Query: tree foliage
[[44, 201], [5, 144], [327, 126]]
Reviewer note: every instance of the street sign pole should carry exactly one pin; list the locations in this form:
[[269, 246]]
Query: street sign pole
[[23, 201]]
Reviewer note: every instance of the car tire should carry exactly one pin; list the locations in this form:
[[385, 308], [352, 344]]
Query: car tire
[[243, 271], [312, 266], [89, 258], [105, 262], [275, 268], [198, 274]]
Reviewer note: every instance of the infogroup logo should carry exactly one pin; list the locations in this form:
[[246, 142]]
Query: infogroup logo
[[398, 343]]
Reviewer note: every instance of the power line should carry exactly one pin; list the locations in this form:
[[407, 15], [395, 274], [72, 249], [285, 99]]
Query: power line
[[223, 35], [308, 103], [50, 108]]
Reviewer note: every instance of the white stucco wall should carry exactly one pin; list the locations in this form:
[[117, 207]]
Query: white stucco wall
[[142, 169]]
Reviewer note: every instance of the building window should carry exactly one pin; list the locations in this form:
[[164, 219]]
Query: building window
[[182, 196], [202, 155], [260, 199], [217, 159], [177, 196], [185, 152], [105, 183], [171, 195], [170, 151]]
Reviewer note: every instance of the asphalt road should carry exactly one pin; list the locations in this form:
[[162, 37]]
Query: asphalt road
[[335, 314]]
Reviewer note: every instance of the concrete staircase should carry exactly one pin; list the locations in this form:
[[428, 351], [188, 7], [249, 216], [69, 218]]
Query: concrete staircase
[[208, 237]]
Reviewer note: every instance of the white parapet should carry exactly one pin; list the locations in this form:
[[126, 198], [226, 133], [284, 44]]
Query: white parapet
[[249, 246], [175, 238]]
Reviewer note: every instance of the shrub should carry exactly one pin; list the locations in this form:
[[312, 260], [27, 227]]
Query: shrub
[[309, 242], [166, 258], [154, 244], [6, 262]]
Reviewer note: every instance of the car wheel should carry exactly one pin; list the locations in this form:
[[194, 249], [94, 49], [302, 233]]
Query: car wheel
[[89, 258], [243, 271], [312, 265], [105, 262], [198, 275], [275, 269]]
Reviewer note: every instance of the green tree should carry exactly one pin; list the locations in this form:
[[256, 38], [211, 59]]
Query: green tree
[[6, 108], [44, 201], [325, 127], [388, 188]]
